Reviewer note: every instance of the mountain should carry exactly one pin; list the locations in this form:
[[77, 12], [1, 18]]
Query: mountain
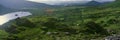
[[19, 4], [113, 4], [4, 10], [1, 7], [71, 2], [97, 23], [83, 3], [93, 3]]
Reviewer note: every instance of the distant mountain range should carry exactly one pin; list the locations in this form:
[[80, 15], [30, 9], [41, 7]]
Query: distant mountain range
[[19, 4], [93, 3], [90, 3], [4, 9]]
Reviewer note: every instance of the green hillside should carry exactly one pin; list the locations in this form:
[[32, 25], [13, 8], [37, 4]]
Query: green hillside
[[67, 23]]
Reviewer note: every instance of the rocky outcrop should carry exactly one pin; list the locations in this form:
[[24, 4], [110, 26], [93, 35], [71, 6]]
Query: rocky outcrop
[[115, 37]]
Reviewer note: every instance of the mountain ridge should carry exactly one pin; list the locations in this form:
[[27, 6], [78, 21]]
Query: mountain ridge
[[20, 4]]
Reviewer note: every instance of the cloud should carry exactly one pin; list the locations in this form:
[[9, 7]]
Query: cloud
[[104, 0], [52, 2], [58, 0], [67, 0]]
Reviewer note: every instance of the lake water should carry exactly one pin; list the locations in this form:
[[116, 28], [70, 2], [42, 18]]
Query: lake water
[[11, 16]]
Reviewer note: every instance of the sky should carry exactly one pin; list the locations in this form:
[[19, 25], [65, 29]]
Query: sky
[[59, 1], [46, 1], [67, 0], [19, 3]]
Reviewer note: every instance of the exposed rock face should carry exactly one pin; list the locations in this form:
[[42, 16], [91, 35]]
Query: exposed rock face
[[116, 37]]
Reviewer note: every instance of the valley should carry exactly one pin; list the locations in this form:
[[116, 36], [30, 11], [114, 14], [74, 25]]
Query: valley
[[66, 23]]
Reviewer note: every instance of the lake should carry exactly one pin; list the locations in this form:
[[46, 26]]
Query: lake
[[11, 16]]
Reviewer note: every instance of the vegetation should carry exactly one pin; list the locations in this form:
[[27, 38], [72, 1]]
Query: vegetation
[[68, 23]]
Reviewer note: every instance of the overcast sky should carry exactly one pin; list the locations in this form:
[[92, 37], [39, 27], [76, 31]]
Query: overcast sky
[[59, 1], [67, 0], [52, 2]]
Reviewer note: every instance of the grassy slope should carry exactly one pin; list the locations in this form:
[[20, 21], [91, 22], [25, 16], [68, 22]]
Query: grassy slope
[[44, 27]]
